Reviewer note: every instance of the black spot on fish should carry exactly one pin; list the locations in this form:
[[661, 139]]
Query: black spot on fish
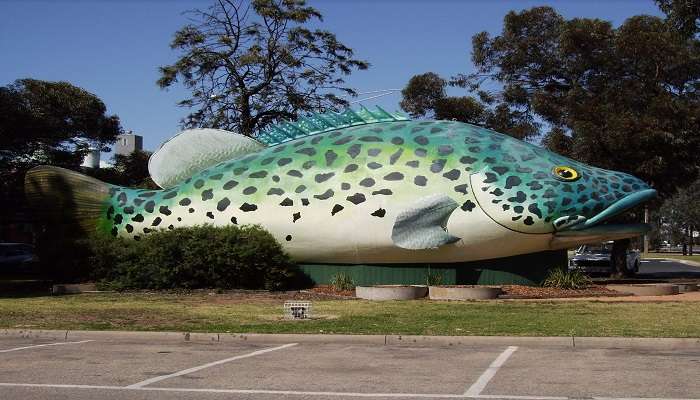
[[309, 151], [437, 165], [421, 140], [549, 193], [500, 169], [374, 165], [114, 231], [386, 192], [468, 206], [379, 213], [350, 168], [354, 150], [373, 152], [267, 160], [534, 185], [323, 177], [147, 194], [512, 181], [371, 139], [490, 160], [452, 175], [198, 183], [110, 211], [394, 157], [128, 210], [397, 140], [462, 188], [208, 194], [294, 173], [330, 157], [171, 227], [396, 127], [210, 214], [417, 129], [156, 221], [497, 192], [490, 177], [527, 157], [149, 206], [445, 149], [343, 140], [229, 185], [523, 170], [345, 186], [283, 161], [475, 149], [170, 195], [296, 216], [420, 152], [304, 202], [435, 130], [540, 175], [325, 195], [367, 182], [275, 191], [258, 174], [234, 220], [240, 170], [308, 164], [288, 238], [137, 218], [275, 178], [467, 160], [356, 198], [393, 176], [300, 189], [191, 210], [164, 210], [316, 140], [299, 143], [138, 202], [248, 207], [336, 209], [528, 220], [413, 163], [535, 210], [185, 202], [287, 202], [129, 228], [223, 204], [505, 207], [519, 198], [118, 219], [216, 177]]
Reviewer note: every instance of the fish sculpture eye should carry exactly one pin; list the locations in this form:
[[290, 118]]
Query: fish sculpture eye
[[565, 173]]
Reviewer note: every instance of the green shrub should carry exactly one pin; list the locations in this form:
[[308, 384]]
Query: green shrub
[[245, 257], [564, 279], [342, 281]]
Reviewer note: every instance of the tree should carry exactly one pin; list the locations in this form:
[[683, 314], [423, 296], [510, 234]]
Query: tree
[[683, 15], [425, 95], [252, 63], [621, 98], [680, 216], [421, 93], [47, 123], [128, 170]]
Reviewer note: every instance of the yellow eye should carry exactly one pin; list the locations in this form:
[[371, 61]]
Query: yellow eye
[[564, 173]]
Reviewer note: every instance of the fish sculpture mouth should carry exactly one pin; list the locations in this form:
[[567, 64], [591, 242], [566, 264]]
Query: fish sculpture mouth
[[594, 230], [620, 206]]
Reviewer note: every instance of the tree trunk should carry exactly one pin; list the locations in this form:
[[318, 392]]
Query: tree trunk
[[618, 259]]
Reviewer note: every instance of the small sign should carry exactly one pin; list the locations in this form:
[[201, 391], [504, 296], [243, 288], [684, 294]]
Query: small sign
[[297, 309]]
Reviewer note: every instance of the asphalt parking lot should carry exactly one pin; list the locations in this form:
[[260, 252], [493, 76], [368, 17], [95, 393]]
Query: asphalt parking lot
[[143, 368]]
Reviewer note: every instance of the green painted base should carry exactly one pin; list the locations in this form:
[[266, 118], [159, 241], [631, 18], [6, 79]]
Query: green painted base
[[528, 269]]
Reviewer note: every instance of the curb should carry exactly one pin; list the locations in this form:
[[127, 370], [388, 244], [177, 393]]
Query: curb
[[377, 340]]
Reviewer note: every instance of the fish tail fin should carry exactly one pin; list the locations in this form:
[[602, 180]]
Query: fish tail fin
[[65, 197]]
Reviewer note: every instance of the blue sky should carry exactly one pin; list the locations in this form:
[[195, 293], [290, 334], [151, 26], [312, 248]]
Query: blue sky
[[113, 48]]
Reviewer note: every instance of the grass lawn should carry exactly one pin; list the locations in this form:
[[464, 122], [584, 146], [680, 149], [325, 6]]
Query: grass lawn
[[695, 257], [216, 313]]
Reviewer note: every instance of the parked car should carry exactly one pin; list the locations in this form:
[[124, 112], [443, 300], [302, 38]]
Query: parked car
[[17, 256], [595, 259]]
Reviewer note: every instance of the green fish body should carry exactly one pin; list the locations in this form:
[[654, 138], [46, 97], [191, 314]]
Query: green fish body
[[388, 191]]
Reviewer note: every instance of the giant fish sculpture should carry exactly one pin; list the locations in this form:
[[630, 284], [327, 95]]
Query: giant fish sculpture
[[362, 187]]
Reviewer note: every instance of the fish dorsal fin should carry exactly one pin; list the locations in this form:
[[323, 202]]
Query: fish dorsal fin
[[423, 224], [319, 123], [194, 150]]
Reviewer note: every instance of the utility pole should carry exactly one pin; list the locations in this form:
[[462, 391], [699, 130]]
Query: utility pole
[[646, 235]]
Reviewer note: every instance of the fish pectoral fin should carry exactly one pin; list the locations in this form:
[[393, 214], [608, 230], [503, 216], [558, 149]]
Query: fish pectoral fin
[[422, 225], [194, 150]]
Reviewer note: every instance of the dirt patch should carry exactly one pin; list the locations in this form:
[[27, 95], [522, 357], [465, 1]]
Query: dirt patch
[[536, 292]]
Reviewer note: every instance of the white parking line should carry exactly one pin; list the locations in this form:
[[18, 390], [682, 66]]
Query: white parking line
[[327, 394], [201, 367], [43, 345], [485, 378]]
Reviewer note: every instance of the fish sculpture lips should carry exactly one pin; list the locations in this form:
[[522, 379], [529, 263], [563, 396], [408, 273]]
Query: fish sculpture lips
[[616, 208]]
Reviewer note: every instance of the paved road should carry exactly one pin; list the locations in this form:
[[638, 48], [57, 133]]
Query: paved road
[[156, 369], [660, 269]]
